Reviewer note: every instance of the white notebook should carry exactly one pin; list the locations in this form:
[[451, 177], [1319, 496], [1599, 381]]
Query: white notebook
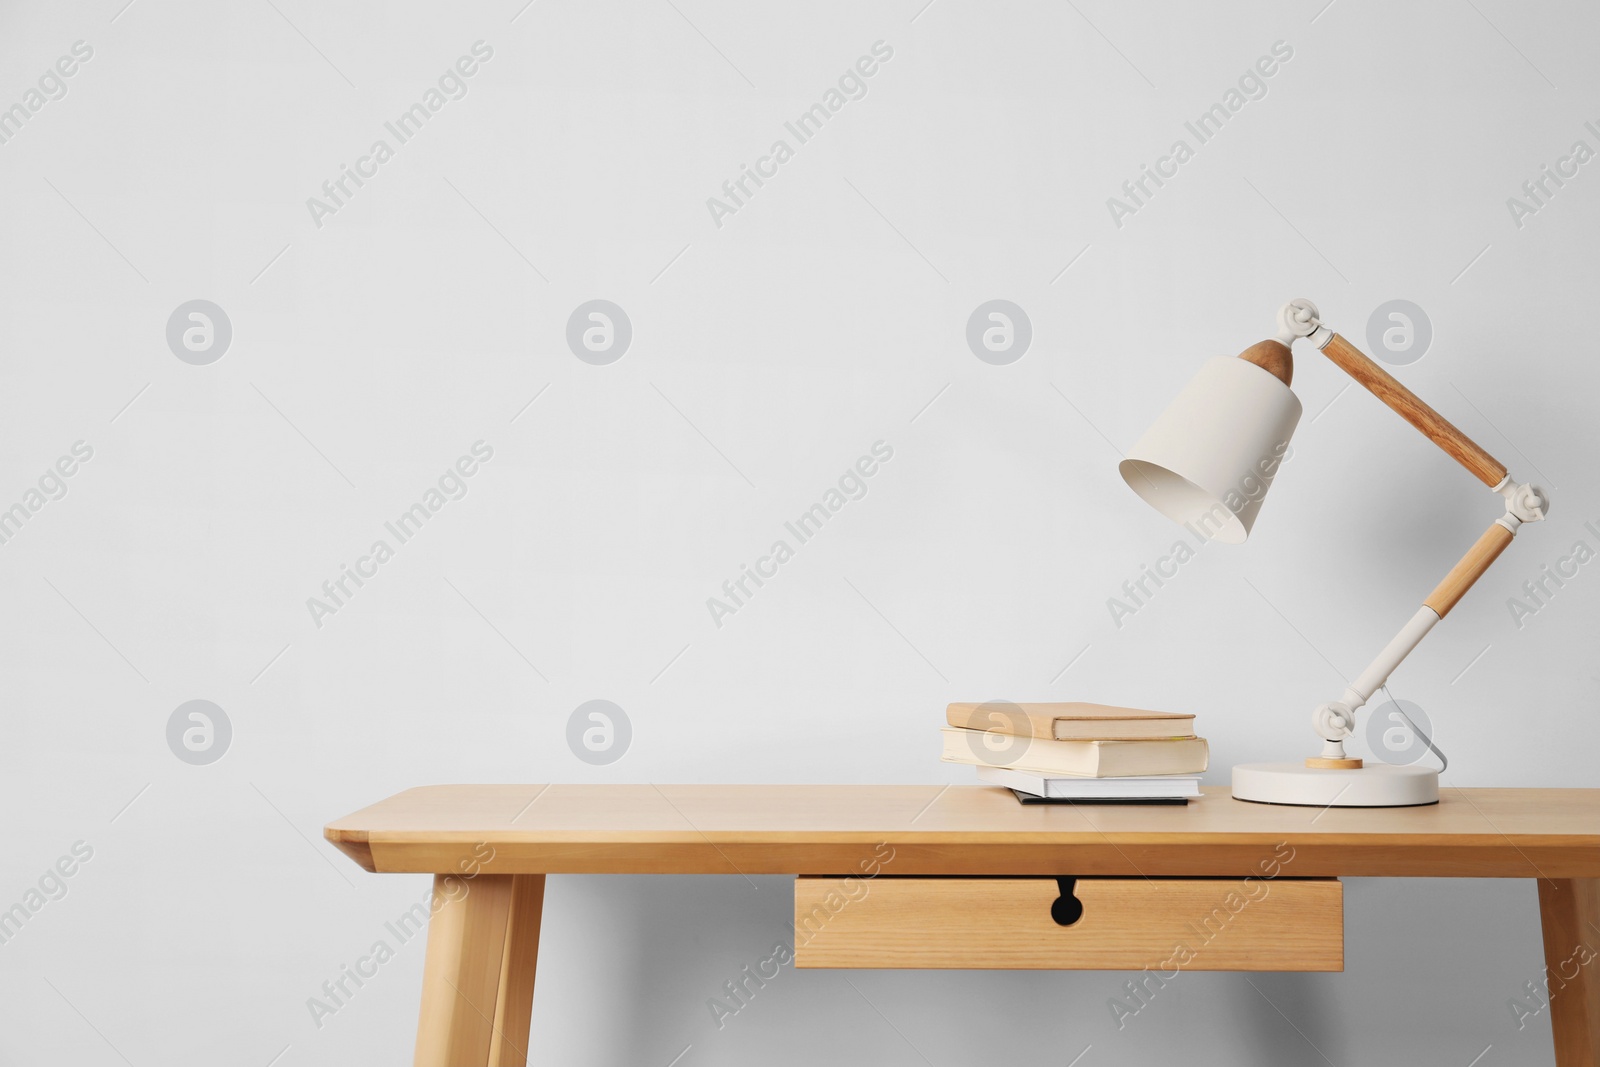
[[1166, 785]]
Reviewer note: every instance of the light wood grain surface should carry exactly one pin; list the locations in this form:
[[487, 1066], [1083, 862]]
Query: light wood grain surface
[[1440, 430], [820, 829], [1570, 914], [1469, 569], [1273, 357], [469, 943], [1126, 924]]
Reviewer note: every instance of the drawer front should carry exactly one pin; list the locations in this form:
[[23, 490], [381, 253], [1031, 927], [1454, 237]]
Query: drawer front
[[1164, 924]]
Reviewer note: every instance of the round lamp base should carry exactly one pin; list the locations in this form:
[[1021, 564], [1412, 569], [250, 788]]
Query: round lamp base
[[1376, 786]]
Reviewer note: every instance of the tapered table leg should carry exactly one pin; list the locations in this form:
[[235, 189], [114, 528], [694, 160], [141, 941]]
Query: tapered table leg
[[1569, 909], [477, 982]]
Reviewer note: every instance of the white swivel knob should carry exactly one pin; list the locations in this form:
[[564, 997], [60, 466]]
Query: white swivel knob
[[1333, 722], [1298, 318], [1530, 503]]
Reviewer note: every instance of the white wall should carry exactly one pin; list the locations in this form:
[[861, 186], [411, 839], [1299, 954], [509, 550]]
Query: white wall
[[821, 317]]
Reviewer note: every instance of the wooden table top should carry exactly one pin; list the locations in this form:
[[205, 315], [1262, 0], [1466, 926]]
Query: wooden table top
[[949, 830]]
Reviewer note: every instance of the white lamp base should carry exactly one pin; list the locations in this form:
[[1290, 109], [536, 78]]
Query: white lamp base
[[1378, 786]]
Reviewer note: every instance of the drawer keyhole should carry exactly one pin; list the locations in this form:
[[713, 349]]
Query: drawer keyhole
[[1066, 909]]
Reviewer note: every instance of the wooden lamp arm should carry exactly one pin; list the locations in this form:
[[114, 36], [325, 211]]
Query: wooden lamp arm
[[1469, 569], [1440, 430]]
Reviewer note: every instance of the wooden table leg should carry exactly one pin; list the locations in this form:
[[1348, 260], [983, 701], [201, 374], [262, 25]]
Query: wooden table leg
[[477, 982], [1569, 909]]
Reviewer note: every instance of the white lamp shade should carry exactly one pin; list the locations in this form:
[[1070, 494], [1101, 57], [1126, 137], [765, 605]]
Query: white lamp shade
[[1208, 461]]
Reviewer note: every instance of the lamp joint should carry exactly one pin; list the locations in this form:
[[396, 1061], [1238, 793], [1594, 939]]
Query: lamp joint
[[1334, 721], [1525, 502], [1300, 318]]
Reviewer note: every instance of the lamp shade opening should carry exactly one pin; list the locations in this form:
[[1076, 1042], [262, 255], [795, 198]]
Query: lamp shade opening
[[1210, 458]]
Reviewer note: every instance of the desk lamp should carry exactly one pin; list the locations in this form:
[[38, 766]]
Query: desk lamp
[[1207, 463]]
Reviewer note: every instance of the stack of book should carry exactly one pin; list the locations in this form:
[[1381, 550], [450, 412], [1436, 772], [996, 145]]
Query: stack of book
[[1079, 752]]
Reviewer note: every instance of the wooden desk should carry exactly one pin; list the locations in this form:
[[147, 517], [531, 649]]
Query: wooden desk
[[490, 847]]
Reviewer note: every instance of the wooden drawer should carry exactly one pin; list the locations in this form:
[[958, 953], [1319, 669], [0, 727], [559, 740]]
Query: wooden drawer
[[1164, 924]]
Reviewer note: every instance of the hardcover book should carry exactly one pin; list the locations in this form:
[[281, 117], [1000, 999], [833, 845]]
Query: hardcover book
[[1071, 721]]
